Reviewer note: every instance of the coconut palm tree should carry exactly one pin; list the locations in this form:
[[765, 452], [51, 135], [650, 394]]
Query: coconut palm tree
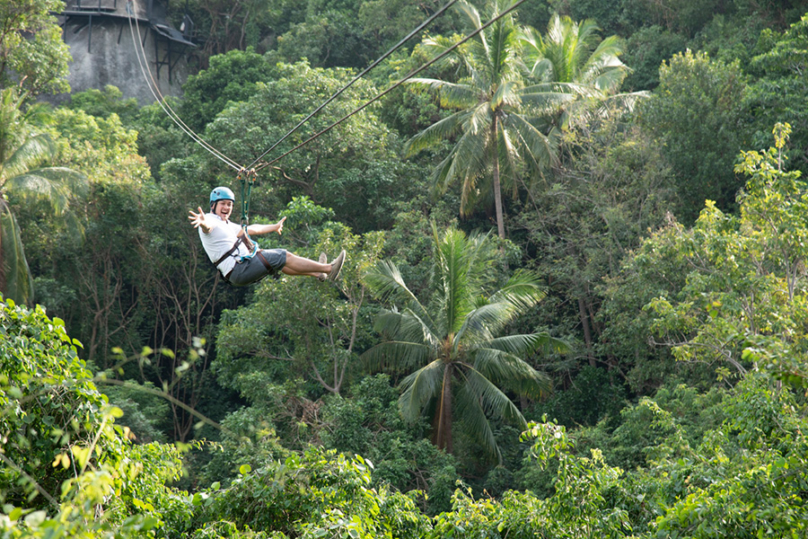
[[24, 146], [493, 130], [460, 369]]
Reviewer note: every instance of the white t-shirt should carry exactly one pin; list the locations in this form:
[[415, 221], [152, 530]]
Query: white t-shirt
[[220, 240]]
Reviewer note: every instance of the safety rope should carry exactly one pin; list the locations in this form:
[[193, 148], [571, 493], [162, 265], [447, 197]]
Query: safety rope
[[246, 179], [339, 92], [396, 85]]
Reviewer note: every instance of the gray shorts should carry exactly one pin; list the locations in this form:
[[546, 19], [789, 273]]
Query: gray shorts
[[265, 262]]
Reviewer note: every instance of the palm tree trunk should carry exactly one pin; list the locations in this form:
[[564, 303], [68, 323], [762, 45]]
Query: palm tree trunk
[[587, 333], [497, 189], [443, 436]]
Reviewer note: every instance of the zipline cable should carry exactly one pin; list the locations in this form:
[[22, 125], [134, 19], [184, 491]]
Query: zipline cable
[[396, 85], [131, 6], [359, 76]]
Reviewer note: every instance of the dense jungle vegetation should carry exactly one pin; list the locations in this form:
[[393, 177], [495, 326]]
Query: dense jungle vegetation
[[575, 301]]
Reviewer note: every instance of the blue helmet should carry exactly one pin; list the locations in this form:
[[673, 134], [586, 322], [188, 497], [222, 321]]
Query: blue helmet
[[222, 193]]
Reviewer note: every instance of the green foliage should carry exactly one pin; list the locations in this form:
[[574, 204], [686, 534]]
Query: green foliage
[[593, 395], [611, 186], [742, 302], [32, 53], [633, 439], [646, 50], [231, 77], [744, 470], [105, 152], [249, 439], [697, 116], [779, 93], [104, 103], [49, 405], [579, 507], [143, 413], [369, 424], [66, 468], [316, 494], [327, 39]]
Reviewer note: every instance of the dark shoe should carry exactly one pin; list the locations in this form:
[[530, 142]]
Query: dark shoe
[[323, 260], [336, 266]]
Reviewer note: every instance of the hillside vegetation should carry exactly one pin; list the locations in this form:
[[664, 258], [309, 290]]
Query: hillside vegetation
[[574, 302]]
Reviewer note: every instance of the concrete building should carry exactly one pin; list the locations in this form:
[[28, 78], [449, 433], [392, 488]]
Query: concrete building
[[126, 43]]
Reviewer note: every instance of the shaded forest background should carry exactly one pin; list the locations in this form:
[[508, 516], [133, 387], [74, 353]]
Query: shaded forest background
[[646, 221]]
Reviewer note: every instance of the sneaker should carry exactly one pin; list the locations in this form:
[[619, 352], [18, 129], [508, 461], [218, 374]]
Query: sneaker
[[323, 260], [336, 266]]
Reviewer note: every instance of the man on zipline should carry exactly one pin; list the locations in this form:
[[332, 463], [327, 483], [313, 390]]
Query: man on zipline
[[229, 248]]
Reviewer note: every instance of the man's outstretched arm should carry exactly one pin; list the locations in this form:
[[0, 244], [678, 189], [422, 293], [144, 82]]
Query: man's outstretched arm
[[266, 229]]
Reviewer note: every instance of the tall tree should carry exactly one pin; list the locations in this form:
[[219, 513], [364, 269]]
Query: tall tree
[[494, 130], [24, 146], [698, 115], [463, 370]]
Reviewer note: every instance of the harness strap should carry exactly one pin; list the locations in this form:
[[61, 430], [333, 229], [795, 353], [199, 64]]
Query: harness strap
[[265, 262], [228, 253]]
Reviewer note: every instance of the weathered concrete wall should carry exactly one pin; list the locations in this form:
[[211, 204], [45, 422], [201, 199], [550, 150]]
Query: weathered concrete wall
[[109, 55]]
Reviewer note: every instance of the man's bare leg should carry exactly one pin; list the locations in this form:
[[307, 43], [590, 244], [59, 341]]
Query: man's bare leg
[[297, 265]]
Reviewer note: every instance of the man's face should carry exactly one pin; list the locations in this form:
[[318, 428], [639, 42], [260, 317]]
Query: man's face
[[224, 208]]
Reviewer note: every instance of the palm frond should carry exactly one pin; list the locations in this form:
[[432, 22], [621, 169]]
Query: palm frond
[[470, 412], [511, 372], [495, 404], [573, 88], [396, 356], [522, 290], [538, 149], [435, 133], [451, 258], [508, 155], [468, 161], [499, 50], [506, 95], [473, 16], [31, 152], [385, 281], [55, 184], [15, 277], [452, 94], [482, 323], [478, 121], [530, 343], [419, 388], [434, 47], [418, 327]]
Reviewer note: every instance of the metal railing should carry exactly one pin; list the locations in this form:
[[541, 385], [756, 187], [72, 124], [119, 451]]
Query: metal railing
[[91, 5]]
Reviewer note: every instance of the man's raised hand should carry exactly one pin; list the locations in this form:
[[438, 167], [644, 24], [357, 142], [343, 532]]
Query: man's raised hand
[[198, 219]]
